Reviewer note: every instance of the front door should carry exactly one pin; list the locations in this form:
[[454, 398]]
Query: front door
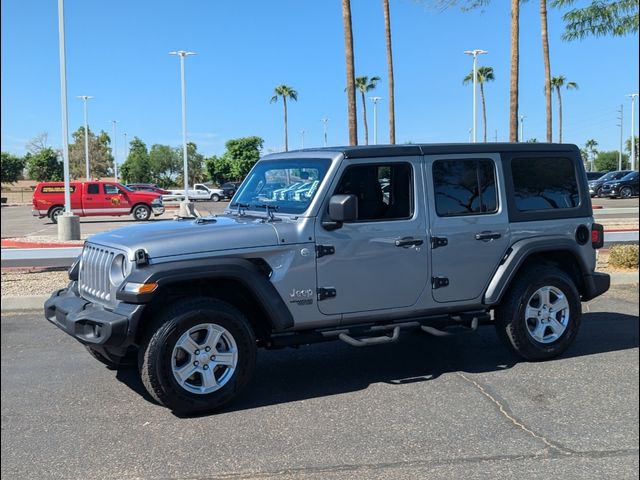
[[469, 224], [379, 261]]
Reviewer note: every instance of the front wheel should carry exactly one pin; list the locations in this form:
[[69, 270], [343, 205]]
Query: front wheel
[[599, 193], [198, 356], [141, 213], [540, 315], [215, 197], [626, 192]]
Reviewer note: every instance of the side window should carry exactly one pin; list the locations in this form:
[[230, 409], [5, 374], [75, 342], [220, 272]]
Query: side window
[[384, 191], [93, 188], [201, 187], [110, 189], [465, 187], [544, 183]]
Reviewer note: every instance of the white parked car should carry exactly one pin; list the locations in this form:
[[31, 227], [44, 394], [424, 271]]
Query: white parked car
[[201, 191]]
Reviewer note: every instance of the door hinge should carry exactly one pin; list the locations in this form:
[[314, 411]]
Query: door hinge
[[324, 293], [439, 282], [322, 250], [439, 242]]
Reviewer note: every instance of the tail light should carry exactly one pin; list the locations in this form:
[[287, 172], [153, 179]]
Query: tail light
[[597, 235]]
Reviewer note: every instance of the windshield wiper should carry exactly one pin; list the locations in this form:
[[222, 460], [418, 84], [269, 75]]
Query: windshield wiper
[[270, 209]]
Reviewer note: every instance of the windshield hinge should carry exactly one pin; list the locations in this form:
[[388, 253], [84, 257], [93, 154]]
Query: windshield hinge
[[322, 250]]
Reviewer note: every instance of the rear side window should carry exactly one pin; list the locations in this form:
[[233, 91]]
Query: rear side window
[[465, 187], [544, 183], [93, 188]]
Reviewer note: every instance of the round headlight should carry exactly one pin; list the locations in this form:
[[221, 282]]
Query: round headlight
[[118, 270]]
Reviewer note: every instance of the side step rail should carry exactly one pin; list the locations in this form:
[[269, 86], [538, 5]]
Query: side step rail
[[460, 330], [365, 342]]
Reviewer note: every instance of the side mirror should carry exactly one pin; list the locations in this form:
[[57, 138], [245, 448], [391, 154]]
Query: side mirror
[[342, 208]]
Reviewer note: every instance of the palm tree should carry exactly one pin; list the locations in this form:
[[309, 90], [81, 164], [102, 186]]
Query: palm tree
[[557, 83], [515, 71], [603, 17], [351, 83], [285, 92], [591, 151], [392, 114], [366, 84], [483, 74], [547, 68]]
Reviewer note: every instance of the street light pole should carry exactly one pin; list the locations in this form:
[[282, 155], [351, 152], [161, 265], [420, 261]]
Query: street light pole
[[126, 147], [68, 223], [475, 54], [115, 150], [522, 117], [621, 125], [375, 118], [182, 54], [324, 128], [85, 98], [633, 130]]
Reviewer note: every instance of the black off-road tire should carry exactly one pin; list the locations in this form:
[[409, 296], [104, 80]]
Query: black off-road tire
[[156, 350], [510, 320]]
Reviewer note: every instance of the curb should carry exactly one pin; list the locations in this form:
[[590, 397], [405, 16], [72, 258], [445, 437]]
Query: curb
[[36, 302]]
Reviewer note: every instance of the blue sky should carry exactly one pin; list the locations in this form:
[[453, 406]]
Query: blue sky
[[117, 51]]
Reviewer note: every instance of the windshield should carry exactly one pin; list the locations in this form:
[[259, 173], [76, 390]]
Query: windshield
[[285, 186]]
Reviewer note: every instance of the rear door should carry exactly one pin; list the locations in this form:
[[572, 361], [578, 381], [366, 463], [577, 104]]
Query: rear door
[[469, 225]]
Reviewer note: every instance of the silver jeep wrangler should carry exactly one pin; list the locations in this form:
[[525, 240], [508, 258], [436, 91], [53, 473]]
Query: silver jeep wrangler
[[354, 244]]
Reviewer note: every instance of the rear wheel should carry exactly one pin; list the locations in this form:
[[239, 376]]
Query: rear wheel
[[55, 213], [198, 356], [141, 212], [626, 192], [540, 315]]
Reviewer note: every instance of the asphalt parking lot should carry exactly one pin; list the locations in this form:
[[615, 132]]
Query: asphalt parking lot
[[419, 408]]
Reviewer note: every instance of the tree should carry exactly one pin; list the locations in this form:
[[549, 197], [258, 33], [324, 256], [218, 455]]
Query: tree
[[607, 161], [100, 158], [557, 83], [12, 167], [483, 74], [37, 143], [285, 92], [515, 71], [351, 82], [603, 17], [365, 84], [392, 113], [45, 165], [136, 168], [165, 163], [547, 68], [234, 164]]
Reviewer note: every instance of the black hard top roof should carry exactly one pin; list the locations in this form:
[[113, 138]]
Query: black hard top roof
[[442, 148]]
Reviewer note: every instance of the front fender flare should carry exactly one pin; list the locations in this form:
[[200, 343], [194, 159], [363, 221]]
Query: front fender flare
[[241, 270]]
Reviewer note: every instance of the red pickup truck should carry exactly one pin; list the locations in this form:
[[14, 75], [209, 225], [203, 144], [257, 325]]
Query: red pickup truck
[[95, 198]]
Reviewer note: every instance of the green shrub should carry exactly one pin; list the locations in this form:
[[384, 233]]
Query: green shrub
[[624, 256]]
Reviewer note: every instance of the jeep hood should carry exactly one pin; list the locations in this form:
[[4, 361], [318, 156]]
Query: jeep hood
[[184, 237]]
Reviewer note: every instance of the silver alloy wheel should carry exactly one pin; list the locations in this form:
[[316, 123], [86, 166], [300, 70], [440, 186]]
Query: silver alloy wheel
[[55, 214], [141, 213], [204, 358], [625, 192], [547, 314]]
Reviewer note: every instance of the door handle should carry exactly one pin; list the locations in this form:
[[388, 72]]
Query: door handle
[[408, 242], [485, 236]]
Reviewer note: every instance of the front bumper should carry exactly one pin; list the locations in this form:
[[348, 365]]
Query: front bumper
[[614, 192], [157, 210], [93, 324], [595, 285]]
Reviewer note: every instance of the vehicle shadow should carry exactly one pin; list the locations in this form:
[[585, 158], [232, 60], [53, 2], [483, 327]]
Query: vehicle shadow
[[333, 368]]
